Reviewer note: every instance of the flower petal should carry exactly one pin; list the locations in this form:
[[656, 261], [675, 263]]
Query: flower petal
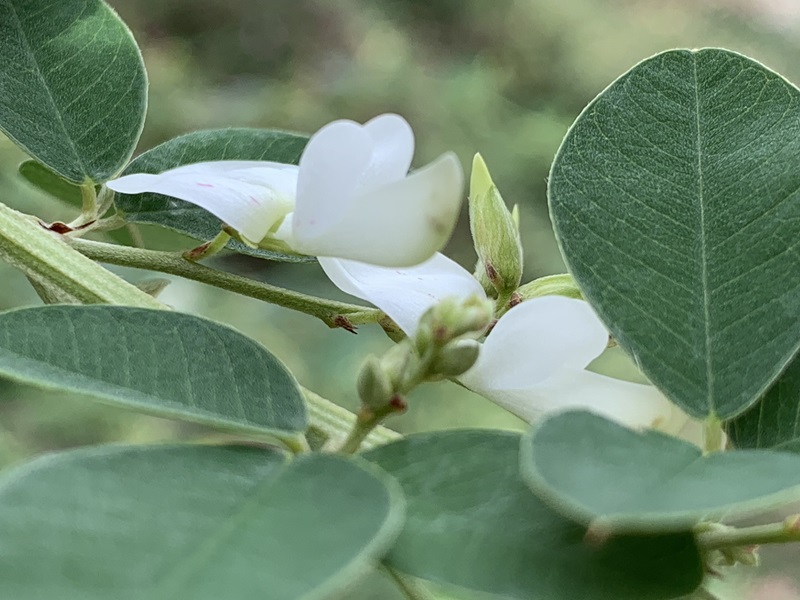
[[398, 225], [535, 340], [249, 196], [403, 294], [631, 404], [392, 151], [333, 162]]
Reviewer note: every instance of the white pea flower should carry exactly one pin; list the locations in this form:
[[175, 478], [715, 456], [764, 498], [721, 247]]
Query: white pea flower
[[351, 196], [534, 359]]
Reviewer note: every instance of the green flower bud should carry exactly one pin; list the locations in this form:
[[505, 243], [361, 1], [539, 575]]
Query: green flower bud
[[495, 231], [451, 318], [373, 384], [551, 285], [455, 358]]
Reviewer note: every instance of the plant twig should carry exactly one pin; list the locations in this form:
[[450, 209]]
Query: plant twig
[[786, 532], [332, 313]]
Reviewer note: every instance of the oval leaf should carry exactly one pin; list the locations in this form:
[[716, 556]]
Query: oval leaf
[[594, 470], [775, 421], [676, 201], [73, 89], [201, 146], [191, 522], [160, 362], [472, 522]]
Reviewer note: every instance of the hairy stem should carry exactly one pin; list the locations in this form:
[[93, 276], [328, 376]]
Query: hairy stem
[[335, 422], [785, 532], [333, 314]]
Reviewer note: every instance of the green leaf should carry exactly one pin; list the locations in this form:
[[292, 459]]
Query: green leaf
[[472, 522], [676, 200], [202, 146], [51, 183], [775, 421], [160, 362], [191, 522], [596, 471], [73, 89]]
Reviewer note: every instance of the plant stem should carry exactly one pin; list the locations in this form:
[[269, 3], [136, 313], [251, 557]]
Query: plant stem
[[45, 258], [209, 248], [785, 532], [337, 422], [89, 207], [410, 588], [713, 438], [333, 314]]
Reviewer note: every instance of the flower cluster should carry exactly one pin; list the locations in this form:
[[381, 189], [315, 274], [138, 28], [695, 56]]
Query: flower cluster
[[377, 230]]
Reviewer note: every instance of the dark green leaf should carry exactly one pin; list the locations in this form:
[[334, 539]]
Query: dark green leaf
[[775, 421], [676, 200], [51, 183], [594, 470], [192, 522], [73, 89], [160, 362], [472, 522], [201, 146]]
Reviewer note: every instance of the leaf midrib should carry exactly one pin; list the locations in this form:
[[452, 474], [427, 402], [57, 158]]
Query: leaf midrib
[[703, 249]]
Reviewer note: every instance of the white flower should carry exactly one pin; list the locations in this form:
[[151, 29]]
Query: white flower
[[533, 361], [350, 197]]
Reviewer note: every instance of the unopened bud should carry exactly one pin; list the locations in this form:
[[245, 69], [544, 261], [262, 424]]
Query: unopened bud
[[551, 285], [451, 318], [494, 231], [398, 362], [373, 384], [456, 358]]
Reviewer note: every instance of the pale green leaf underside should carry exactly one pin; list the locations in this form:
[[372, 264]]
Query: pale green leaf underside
[[191, 522], [592, 469], [73, 89], [202, 146], [51, 183], [472, 522], [775, 421], [676, 200], [156, 361]]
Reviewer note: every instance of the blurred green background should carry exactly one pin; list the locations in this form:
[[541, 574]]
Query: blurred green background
[[502, 77]]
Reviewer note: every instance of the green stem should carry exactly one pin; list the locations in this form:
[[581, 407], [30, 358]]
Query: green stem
[[335, 422], [45, 258], [713, 438], [209, 248], [333, 314], [410, 588], [89, 207], [774, 533]]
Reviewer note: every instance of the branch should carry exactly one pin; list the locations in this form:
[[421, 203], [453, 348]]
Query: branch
[[332, 313]]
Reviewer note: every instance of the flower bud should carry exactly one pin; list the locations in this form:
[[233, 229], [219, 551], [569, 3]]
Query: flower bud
[[551, 285], [455, 358], [373, 384], [495, 231], [451, 318]]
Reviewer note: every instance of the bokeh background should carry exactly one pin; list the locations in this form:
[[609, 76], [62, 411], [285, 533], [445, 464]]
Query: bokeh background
[[503, 77]]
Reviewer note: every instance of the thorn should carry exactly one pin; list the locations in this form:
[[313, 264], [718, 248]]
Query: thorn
[[344, 323]]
